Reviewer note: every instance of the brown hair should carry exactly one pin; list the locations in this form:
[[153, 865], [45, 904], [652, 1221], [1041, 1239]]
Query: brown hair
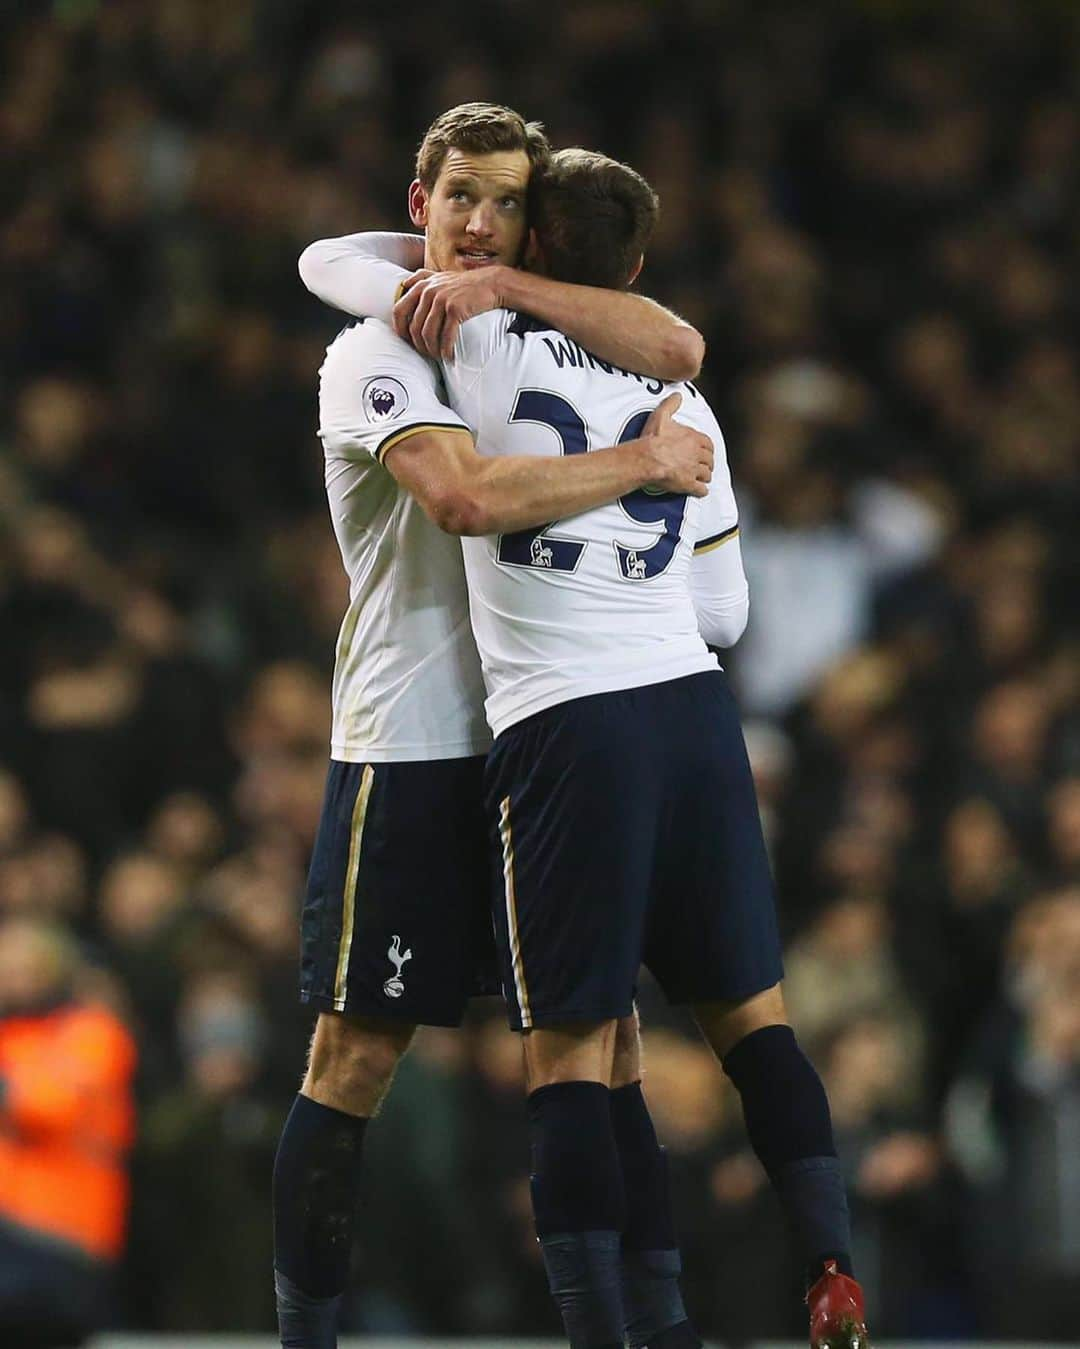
[[593, 218], [482, 128]]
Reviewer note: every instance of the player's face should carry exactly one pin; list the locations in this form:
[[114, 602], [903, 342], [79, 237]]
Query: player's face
[[474, 216]]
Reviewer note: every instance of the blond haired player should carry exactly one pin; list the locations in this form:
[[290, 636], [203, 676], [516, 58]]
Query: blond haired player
[[395, 919]]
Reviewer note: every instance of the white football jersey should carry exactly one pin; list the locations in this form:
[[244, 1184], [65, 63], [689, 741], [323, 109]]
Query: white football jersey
[[600, 601], [407, 680]]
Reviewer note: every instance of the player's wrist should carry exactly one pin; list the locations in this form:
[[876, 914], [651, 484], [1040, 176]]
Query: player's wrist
[[510, 286], [644, 462]]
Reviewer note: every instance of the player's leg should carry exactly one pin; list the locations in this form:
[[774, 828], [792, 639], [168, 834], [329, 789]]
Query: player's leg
[[653, 1311], [575, 840], [790, 1129], [787, 1120], [715, 944], [397, 883], [318, 1168], [576, 1179]]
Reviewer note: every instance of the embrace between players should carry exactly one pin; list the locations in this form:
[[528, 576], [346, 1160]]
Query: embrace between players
[[535, 513]]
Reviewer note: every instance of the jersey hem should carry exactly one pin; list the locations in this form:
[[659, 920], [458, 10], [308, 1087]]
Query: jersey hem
[[458, 749], [612, 683]]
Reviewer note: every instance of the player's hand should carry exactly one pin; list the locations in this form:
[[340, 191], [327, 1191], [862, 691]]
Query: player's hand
[[683, 457], [409, 294], [421, 274], [434, 305]]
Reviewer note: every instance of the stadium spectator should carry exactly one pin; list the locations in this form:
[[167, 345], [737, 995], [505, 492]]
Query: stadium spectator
[[66, 1127], [202, 1215], [1013, 1116]]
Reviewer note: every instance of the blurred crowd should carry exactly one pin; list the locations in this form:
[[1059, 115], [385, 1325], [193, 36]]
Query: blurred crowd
[[872, 211]]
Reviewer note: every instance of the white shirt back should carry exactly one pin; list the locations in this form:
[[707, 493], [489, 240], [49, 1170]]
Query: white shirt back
[[601, 601], [407, 681]]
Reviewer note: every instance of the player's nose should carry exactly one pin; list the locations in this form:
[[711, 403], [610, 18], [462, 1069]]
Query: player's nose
[[482, 220]]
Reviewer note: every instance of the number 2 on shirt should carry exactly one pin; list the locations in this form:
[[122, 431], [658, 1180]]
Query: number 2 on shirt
[[541, 550]]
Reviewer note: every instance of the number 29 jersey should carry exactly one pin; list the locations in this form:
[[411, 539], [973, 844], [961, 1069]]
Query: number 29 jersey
[[596, 602]]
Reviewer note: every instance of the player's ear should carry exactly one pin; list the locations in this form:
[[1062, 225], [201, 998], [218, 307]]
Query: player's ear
[[418, 204], [637, 269]]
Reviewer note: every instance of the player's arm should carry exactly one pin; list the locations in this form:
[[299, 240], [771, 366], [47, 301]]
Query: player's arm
[[361, 274], [464, 492], [620, 327], [718, 587]]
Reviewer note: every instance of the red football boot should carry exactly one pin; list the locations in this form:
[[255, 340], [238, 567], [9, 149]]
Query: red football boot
[[837, 1313]]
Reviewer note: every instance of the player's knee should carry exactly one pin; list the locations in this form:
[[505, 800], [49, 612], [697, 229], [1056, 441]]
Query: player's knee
[[577, 1052], [353, 1062], [724, 1024]]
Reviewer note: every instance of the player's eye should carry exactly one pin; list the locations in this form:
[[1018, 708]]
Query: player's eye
[[511, 203], [459, 195]]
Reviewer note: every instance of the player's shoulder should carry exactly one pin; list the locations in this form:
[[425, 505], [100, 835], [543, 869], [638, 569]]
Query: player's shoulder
[[368, 358], [521, 333], [371, 340], [696, 411], [480, 337]]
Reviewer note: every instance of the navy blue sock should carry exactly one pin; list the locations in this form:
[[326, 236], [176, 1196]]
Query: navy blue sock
[[682, 1336], [788, 1122], [580, 1208], [653, 1308], [316, 1184]]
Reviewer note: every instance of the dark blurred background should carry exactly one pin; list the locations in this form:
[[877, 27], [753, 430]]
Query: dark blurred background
[[871, 211]]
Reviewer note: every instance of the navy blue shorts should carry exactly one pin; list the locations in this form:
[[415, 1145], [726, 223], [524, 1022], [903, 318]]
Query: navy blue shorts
[[628, 831], [397, 918]]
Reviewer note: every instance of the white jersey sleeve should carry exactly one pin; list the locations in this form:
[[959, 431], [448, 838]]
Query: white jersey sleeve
[[717, 580], [376, 391], [719, 590], [361, 274]]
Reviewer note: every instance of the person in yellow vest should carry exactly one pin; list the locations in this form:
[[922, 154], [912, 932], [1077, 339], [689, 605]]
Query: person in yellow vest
[[67, 1121]]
